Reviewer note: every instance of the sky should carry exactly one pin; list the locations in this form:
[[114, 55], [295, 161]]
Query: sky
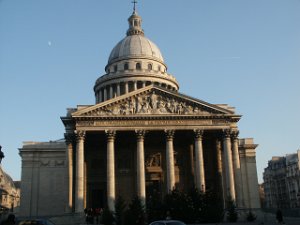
[[245, 53]]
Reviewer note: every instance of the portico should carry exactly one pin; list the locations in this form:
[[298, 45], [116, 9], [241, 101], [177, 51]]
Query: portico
[[178, 149]]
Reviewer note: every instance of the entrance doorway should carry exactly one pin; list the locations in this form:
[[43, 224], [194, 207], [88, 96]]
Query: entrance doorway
[[97, 199], [154, 188]]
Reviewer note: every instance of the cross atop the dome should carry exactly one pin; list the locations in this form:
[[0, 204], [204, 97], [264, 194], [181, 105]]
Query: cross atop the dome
[[134, 3]]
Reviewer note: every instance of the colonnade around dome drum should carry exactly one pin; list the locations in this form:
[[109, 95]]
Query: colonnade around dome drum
[[109, 91]]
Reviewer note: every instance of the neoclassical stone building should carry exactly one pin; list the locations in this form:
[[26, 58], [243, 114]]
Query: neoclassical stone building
[[142, 134]]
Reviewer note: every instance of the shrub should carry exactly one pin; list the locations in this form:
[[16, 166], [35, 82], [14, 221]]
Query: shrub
[[155, 207], [135, 214], [119, 210], [250, 216], [180, 206], [107, 217], [212, 207], [232, 214]]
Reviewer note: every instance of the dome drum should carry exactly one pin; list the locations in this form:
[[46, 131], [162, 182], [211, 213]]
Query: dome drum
[[111, 88]]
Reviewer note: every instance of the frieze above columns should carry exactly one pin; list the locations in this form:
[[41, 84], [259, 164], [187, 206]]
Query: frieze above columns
[[155, 122]]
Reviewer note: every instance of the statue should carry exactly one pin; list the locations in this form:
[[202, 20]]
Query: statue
[[1, 154]]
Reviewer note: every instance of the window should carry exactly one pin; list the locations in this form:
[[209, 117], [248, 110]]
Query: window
[[158, 68], [115, 68], [138, 66], [149, 66], [126, 66]]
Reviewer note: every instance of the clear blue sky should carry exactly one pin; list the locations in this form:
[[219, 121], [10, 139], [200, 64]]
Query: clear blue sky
[[243, 53]]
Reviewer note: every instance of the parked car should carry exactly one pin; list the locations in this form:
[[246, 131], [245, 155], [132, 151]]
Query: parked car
[[167, 222], [33, 221]]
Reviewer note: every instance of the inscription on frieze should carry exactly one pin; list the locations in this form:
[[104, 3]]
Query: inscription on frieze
[[145, 123]]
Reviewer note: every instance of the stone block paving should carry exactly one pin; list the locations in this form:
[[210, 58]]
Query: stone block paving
[[270, 220]]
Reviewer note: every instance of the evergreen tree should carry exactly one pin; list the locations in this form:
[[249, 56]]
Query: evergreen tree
[[120, 206], [232, 214], [107, 217], [251, 216], [135, 214], [212, 210], [154, 207], [197, 198], [180, 206]]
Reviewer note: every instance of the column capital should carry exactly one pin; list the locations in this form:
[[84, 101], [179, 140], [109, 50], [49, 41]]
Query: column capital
[[169, 134], [69, 138], [110, 134], [226, 133], [80, 135], [198, 133], [234, 134], [140, 134]]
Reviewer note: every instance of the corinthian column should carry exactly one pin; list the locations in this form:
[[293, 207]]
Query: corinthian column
[[111, 169], [134, 85], [199, 171], [228, 165], [237, 168], [79, 194], [69, 156], [105, 94], [111, 92], [170, 160], [100, 96], [118, 89], [141, 188]]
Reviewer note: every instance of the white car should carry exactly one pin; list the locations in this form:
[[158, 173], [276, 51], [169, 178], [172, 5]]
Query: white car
[[167, 222]]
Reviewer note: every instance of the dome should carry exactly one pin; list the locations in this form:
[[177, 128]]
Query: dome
[[135, 46], [134, 63]]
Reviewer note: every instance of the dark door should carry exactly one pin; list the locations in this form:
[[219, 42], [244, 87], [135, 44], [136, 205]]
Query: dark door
[[97, 198]]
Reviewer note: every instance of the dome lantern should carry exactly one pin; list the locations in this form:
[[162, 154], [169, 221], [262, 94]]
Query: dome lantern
[[135, 25]]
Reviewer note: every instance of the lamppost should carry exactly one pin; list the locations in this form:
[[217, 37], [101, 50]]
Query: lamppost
[[1, 154]]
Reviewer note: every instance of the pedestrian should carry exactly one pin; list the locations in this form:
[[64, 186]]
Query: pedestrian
[[168, 216], [279, 216], [10, 220]]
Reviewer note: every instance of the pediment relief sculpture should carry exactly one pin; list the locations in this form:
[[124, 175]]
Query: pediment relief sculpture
[[154, 104]]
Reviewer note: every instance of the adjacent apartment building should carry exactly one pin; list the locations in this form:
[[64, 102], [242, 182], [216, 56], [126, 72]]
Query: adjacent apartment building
[[282, 182]]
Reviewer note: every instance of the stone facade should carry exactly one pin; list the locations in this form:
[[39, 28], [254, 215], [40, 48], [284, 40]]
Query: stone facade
[[282, 182], [43, 178], [9, 193], [141, 135]]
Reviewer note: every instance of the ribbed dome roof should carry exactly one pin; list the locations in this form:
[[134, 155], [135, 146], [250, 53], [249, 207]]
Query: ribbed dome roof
[[135, 46]]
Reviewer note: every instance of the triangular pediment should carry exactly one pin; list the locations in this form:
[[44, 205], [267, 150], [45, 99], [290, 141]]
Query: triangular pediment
[[152, 100]]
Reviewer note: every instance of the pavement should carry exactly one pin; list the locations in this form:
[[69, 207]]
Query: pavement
[[268, 219]]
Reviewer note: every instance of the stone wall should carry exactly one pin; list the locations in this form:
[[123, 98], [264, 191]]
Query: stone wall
[[44, 178]]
